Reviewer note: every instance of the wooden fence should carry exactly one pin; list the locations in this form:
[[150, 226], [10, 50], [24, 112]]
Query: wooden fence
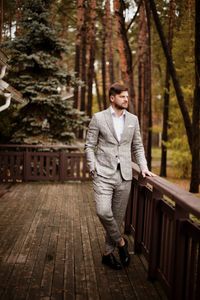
[[38, 163], [163, 220]]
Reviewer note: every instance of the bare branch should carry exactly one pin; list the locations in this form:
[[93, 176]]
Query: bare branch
[[134, 17]]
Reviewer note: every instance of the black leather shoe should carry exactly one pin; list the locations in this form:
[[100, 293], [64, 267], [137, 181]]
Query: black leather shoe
[[111, 261], [124, 254]]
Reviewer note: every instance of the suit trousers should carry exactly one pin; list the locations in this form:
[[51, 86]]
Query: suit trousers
[[111, 197]]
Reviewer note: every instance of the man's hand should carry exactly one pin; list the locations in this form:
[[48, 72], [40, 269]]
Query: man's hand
[[147, 173], [92, 173]]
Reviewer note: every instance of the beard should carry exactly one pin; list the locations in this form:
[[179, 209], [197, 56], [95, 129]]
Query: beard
[[121, 106]]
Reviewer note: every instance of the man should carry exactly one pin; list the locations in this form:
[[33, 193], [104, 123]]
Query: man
[[113, 137]]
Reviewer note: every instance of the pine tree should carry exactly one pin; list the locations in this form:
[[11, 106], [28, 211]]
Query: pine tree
[[37, 71]]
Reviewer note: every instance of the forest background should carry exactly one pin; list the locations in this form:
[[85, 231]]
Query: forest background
[[64, 54]]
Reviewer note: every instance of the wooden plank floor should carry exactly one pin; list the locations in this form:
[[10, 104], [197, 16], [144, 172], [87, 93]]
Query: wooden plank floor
[[51, 244]]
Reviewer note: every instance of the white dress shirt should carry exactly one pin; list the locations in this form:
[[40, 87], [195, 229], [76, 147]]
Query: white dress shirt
[[118, 123]]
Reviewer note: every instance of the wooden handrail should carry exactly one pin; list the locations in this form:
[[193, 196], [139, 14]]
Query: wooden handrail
[[188, 201], [67, 147], [159, 218]]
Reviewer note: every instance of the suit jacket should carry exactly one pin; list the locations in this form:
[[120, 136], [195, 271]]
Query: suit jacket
[[104, 151]]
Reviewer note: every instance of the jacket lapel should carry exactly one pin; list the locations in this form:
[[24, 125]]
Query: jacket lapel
[[109, 121]]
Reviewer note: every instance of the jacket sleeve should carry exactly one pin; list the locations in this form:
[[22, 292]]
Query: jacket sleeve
[[91, 143], [137, 148]]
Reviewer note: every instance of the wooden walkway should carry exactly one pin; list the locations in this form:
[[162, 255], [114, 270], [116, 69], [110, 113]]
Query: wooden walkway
[[51, 244]]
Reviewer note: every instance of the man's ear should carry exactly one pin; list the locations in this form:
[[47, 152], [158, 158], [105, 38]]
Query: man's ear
[[112, 98]]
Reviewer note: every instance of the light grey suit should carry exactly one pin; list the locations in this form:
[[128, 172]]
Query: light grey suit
[[112, 186]]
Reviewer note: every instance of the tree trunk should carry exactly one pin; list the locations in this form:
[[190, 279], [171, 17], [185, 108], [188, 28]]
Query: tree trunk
[[98, 93], [109, 37], [195, 174], [77, 74], [144, 78], [140, 52], [10, 25], [163, 168], [83, 61], [148, 93], [141, 73], [140, 91], [172, 70], [92, 44], [124, 49], [18, 16], [1, 21], [80, 24], [103, 62]]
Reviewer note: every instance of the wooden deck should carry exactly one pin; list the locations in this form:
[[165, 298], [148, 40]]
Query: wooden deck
[[51, 244]]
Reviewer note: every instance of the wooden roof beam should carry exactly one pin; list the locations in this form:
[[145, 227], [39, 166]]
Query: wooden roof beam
[[4, 86], [3, 59], [8, 101]]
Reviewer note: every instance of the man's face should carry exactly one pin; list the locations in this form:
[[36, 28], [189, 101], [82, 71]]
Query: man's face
[[120, 101]]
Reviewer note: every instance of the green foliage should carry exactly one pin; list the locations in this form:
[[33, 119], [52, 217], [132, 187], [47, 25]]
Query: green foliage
[[178, 144], [181, 158], [38, 72], [183, 57], [183, 53]]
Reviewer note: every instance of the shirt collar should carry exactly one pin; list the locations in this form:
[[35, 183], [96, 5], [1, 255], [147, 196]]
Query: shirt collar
[[114, 113]]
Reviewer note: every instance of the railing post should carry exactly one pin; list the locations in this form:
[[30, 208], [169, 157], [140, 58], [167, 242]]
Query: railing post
[[179, 263], [139, 218], [62, 166], [128, 217], [25, 164], [178, 254], [155, 235], [84, 167]]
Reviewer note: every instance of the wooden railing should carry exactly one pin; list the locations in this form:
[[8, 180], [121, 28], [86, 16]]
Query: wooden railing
[[37, 163], [163, 220]]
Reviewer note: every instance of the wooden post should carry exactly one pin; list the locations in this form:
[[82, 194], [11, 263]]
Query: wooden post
[[62, 166], [178, 254], [155, 235], [128, 217], [139, 219], [26, 164], [84, 168], [179, 263]]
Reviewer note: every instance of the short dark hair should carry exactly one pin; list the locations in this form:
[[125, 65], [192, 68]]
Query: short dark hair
[[116, 89]]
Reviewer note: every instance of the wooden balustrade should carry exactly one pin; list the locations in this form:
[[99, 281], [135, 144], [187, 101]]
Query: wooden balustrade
[[161, 217], [37, 163]]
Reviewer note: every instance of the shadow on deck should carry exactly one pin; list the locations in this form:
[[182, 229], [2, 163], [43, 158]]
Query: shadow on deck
[[51, 244]]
